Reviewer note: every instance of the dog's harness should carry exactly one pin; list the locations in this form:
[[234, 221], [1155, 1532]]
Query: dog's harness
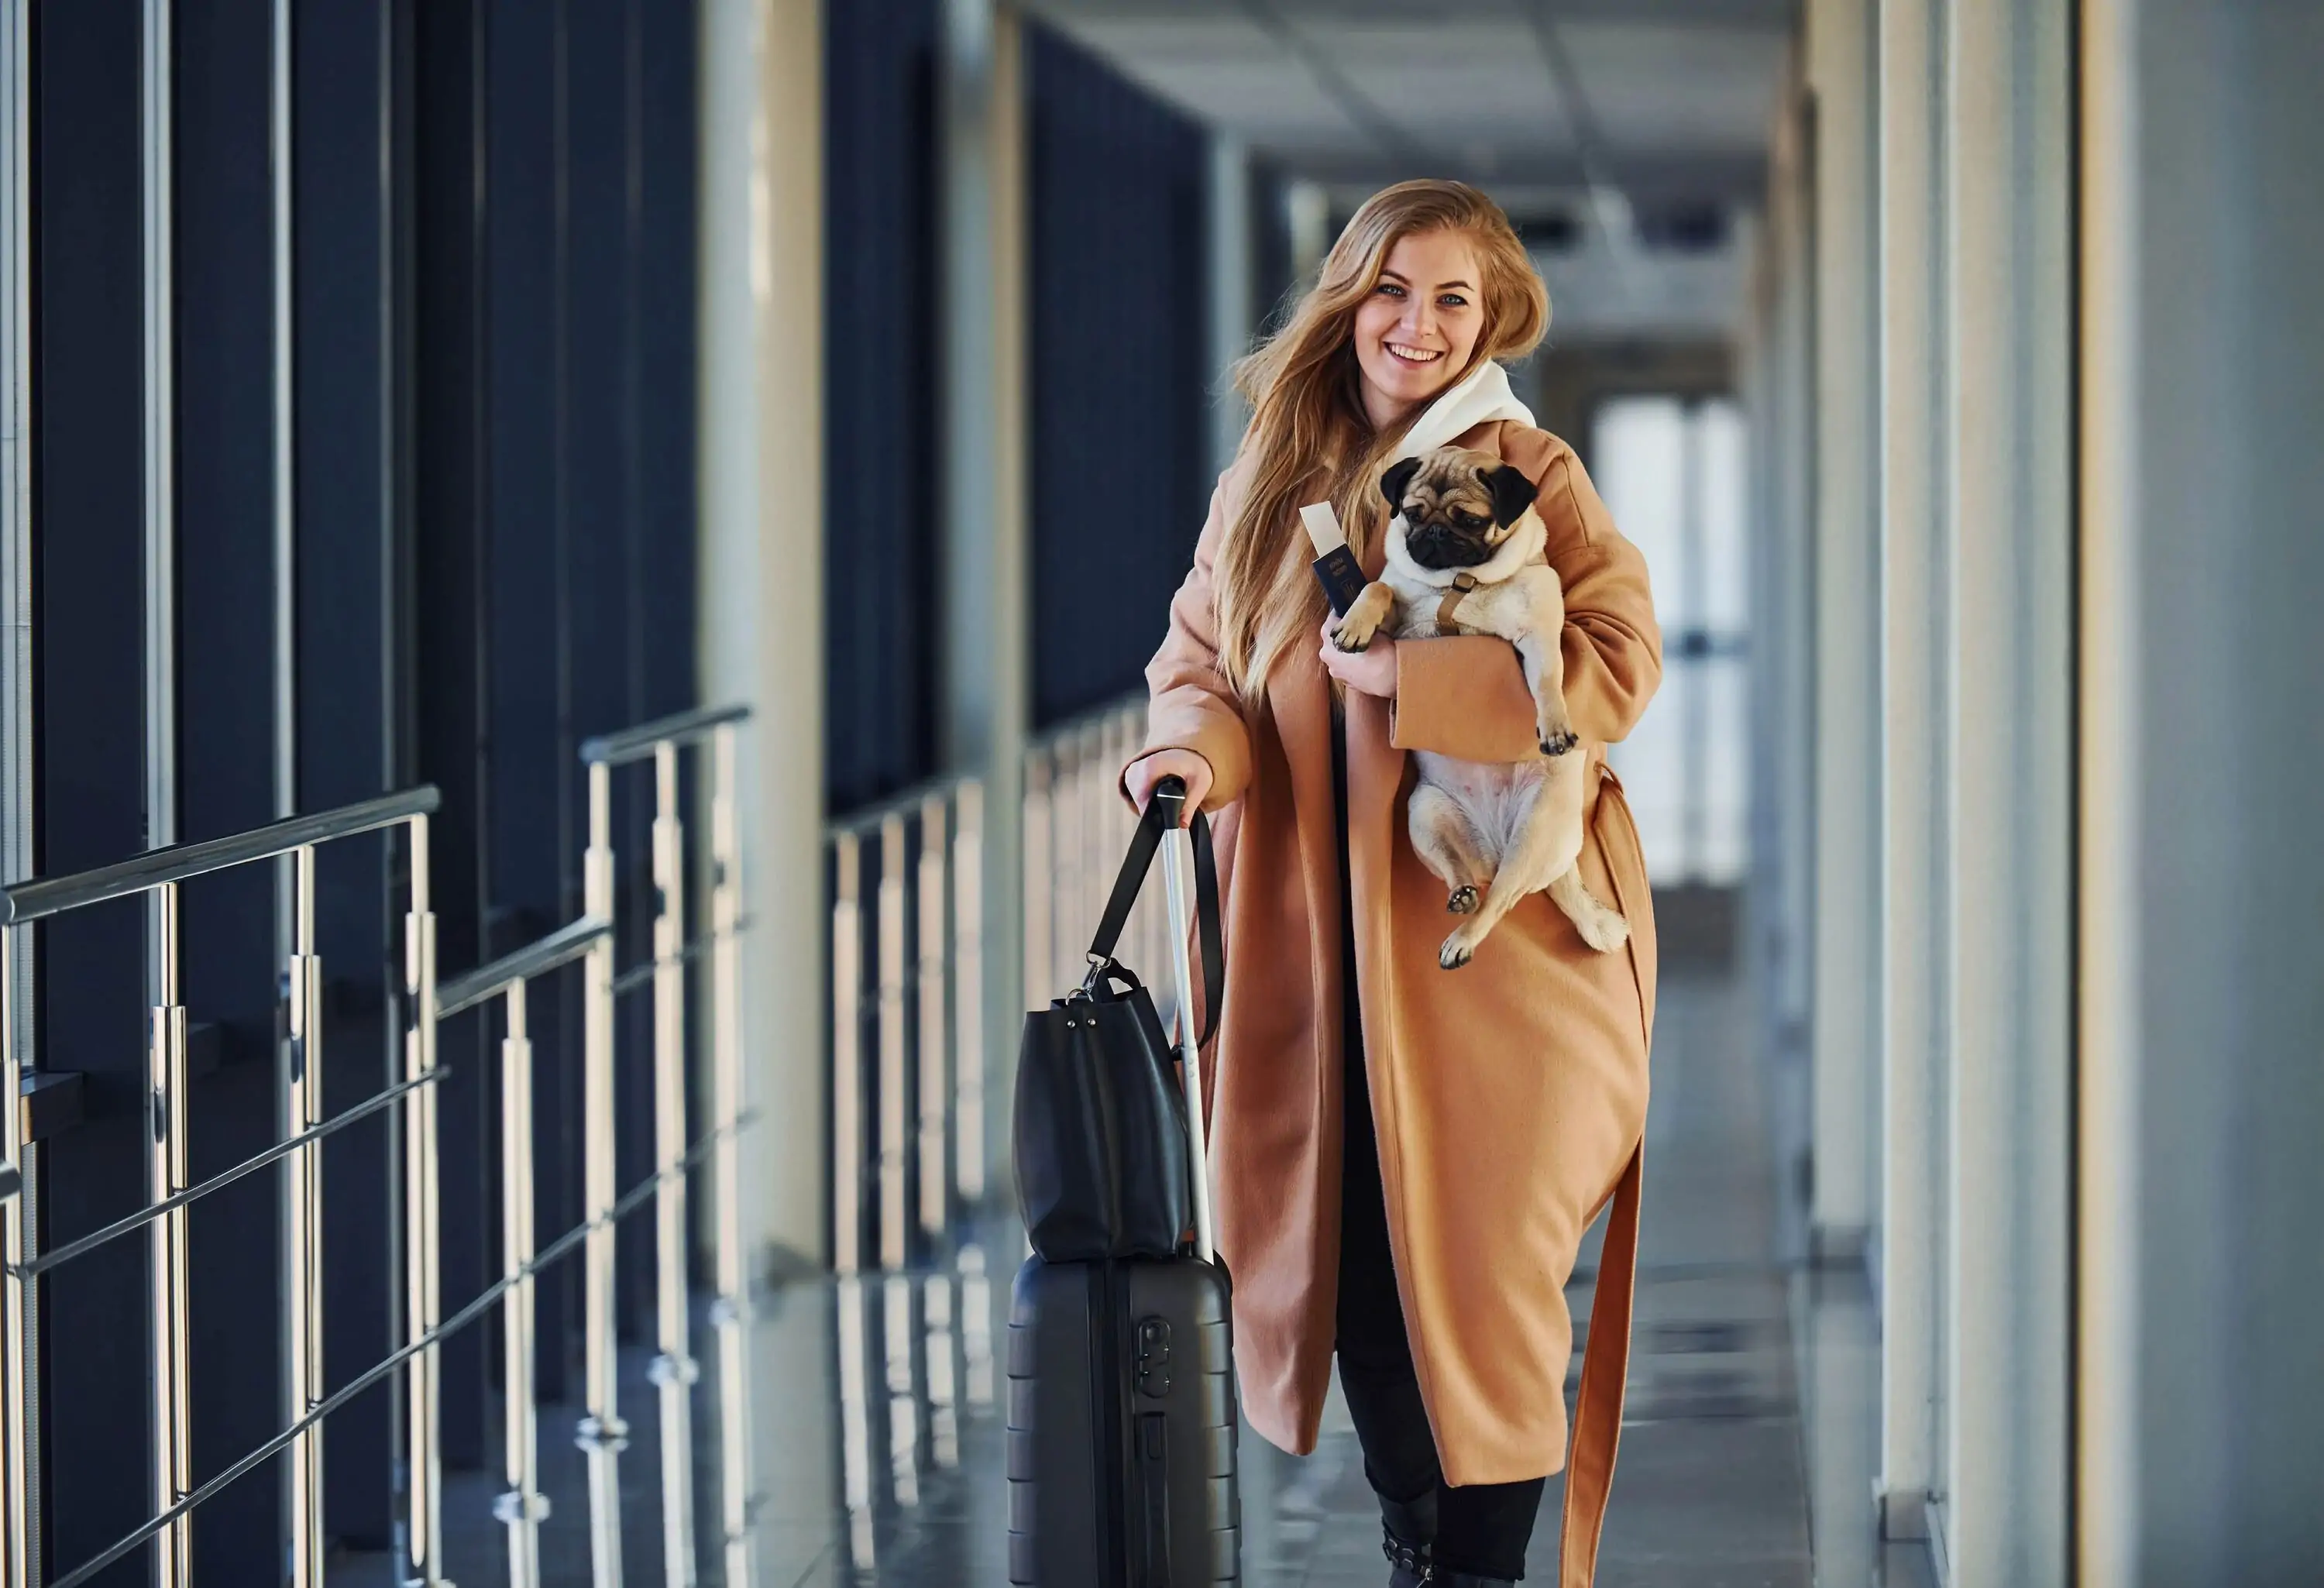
[[1463, 583]]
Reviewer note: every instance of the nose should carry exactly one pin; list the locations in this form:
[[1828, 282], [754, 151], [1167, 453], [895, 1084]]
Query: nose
[[1419, 320]]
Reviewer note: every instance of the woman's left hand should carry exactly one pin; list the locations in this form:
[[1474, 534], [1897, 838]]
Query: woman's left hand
[[1369, 671]]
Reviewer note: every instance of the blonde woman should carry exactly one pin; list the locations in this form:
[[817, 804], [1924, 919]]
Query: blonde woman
[[1407, 1157]]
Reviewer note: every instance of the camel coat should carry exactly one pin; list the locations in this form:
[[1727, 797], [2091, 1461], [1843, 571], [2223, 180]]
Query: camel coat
[[1509, 1097]]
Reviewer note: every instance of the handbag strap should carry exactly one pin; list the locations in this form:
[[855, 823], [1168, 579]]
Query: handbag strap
[[1162, 813]]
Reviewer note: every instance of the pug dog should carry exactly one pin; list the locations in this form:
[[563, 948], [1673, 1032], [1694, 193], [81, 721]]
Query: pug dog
[[1465, 557]]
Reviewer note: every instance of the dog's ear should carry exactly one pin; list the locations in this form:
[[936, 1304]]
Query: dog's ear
[[1512, 494], [1397, 480]]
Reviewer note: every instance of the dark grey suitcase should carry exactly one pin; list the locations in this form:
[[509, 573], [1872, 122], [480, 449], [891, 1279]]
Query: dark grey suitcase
[[1121, 1427], [1121, 1396]]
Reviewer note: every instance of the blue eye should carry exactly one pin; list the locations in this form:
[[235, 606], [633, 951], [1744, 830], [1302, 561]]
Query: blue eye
[[1453, 300], [1391, 289]]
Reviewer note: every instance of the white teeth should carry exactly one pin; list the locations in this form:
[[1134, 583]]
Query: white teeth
[[1414, 354]]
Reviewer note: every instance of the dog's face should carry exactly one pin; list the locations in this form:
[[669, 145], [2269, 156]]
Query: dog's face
[[1457, 506]]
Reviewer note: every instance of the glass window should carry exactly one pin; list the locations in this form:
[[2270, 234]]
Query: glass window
[[1672, 471]]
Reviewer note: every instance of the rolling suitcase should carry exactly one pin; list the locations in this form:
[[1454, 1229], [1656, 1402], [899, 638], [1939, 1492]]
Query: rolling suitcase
[[1121, 1396]]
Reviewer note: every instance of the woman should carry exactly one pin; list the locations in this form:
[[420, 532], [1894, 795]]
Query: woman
[[1407, 1157]]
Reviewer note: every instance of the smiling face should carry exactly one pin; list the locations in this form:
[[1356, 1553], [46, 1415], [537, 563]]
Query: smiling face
[[1416, 331]]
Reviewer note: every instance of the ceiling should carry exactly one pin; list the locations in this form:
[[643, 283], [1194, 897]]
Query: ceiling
[[1656, 98]]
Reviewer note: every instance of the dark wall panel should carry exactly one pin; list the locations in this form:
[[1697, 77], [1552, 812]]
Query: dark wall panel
[[663, 224], [344, 331], [602, 545], [880, 543], [223, 226], [492, 556], [536, 834], [88, 547], [452, 425], [1119, 402]]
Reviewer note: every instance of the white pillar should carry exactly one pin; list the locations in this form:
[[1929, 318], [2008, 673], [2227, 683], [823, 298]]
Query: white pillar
[[2108, 973], [987, 644], [1846, 627], [1231, 320], [1915, 569], [2201, 1390], [760, 473], [2009, 620], [1775, 377], [1307, 217]]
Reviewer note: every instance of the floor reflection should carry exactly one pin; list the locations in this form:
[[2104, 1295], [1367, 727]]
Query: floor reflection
[[878, 1439]]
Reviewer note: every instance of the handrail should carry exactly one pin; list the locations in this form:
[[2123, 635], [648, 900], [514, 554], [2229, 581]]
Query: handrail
[[864, 819], [55, 1257], [1083, 721], [424, 1004], [36, 897], [566, 944], [680, 728], [642, 972], [476, 1308]]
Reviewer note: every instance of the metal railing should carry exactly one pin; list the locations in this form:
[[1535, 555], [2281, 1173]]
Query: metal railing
[[922, 857], [523, 1507], [674, 1371], [909, 1074], [158, 874], [1077, 828]]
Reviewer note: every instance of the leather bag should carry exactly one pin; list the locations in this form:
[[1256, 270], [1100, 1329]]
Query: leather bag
[[1102, 1145]]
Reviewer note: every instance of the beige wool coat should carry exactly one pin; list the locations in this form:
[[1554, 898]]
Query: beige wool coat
[[1509, 1097]]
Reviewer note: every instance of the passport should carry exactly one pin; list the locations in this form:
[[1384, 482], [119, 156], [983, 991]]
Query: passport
[[1336, 568]]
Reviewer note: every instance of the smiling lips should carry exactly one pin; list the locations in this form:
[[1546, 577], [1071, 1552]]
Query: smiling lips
[[1409, 354]]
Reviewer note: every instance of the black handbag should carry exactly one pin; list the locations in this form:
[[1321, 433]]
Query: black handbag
[[1101, 1142]]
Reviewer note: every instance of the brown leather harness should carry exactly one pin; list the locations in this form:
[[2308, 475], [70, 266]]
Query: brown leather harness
[[1463, 583]]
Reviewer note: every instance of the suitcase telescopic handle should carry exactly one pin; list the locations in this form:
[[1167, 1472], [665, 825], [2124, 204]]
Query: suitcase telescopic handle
[[1170, 794], [1176, 854]]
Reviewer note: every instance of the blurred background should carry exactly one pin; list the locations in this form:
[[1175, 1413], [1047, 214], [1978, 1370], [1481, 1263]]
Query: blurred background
[[732, 459]]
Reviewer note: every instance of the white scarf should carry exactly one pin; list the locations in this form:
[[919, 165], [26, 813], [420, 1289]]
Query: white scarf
[[1482, 396]]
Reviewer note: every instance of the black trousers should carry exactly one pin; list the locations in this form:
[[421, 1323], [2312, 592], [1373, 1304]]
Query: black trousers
[[1484, 1528]]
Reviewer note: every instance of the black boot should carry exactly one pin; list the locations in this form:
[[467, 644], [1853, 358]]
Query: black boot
[[1467, 1580], [1407, 1532]]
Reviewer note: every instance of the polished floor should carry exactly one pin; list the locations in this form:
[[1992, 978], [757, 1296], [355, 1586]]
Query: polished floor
[[1746, 1449]]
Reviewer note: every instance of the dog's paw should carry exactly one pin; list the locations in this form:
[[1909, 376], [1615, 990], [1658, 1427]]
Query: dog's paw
[[1457, 952], [1463, 900], [1354, 633], [1606, 933], [1556, 734]]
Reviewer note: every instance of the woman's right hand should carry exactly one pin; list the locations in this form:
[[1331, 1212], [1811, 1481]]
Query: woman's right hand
[[1147, 771]]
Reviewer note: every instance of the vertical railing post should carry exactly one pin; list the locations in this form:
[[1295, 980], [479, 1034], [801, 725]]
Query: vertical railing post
[[903, 1399], [968, 989], [602, 1434], [847, 1058], [1038, 850], [165, 1079], [855, 1423], [894, 1216], [422, 1234], [523, 1507], [673, 1372], [15, 1469], [303, 1232], [730, 1313], [936, 1205]]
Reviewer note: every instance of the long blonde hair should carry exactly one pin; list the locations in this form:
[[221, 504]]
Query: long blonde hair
[[1309, 437]]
